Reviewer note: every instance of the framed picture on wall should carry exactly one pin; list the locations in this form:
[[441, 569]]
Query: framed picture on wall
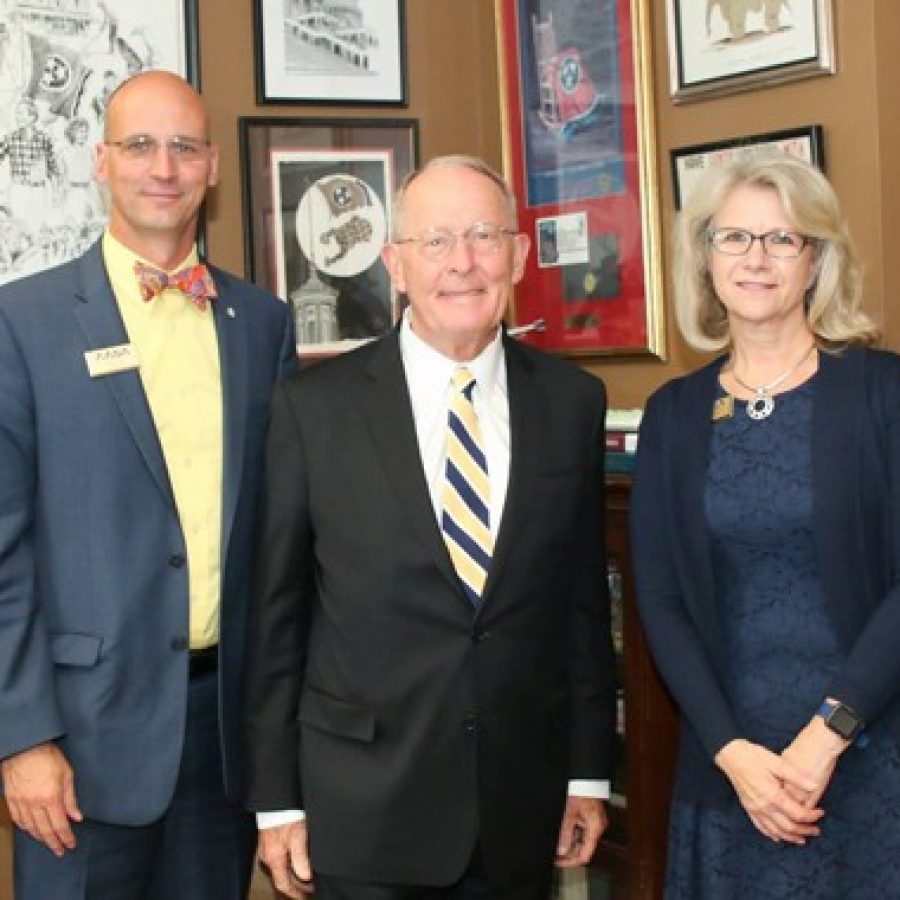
[[57, 67], [690, 163], [310, 53], [720, 47], [579, 152], [317, 200]]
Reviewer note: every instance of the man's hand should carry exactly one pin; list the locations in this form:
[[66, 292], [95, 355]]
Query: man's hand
[[584, 821], [762, 780], [283, 850], [40, 792]]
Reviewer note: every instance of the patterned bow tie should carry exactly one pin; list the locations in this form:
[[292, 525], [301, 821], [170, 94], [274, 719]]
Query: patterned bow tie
[[195, 282]]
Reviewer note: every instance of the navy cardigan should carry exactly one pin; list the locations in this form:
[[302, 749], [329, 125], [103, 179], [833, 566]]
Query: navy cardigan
[[856, 510]]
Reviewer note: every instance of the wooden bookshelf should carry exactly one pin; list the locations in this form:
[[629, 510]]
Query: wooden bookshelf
[[631, 860]]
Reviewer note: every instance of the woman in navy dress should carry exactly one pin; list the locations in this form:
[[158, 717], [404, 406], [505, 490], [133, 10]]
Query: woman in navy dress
[[766, 534]]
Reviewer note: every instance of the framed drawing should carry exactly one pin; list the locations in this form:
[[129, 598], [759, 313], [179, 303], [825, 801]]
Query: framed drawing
[[317, 199], [57, 67], [689, 163], [720, 47], [307, 54], [579, 152]]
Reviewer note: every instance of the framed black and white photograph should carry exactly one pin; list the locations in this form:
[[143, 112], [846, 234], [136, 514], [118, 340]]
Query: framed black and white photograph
[[58, 64], [719, 47], [317, 207], [313, 51], [690, 163]]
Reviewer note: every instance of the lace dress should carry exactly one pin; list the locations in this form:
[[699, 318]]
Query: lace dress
[[782, 652]]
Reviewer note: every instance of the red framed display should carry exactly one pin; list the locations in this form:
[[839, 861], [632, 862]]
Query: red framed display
[[578, 147]]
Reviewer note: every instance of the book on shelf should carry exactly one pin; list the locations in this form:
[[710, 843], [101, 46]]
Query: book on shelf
[[621, 441], [623, 419], [619, 462]]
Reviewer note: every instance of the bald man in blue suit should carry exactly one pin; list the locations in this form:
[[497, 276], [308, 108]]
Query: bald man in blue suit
[[121, 630]]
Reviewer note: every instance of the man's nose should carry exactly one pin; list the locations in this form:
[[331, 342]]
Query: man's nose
[[462, 254], [162, 160]]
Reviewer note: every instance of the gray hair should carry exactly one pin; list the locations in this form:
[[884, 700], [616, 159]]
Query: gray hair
[[456, 160]]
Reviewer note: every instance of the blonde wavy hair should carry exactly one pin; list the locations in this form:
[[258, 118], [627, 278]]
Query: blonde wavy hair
[[833, 301]]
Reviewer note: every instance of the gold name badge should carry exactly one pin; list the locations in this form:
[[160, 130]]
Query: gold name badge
[[110, 360]]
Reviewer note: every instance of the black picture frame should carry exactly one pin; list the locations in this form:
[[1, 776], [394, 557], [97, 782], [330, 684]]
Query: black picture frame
[[300, 59], [317, 210], [688, 163]]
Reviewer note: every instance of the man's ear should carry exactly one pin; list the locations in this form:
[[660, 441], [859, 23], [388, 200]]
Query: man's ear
[[520, 248], [390, 256]]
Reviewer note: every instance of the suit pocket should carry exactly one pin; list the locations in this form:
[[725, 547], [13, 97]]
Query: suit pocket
[[74, 649], [338, 717]]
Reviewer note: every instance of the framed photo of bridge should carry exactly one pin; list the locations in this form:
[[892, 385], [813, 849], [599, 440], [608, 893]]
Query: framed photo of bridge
[[719, 47], [310, 52], [579, 152], [317, 210]]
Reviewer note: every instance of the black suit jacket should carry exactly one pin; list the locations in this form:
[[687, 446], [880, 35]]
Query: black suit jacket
[[405, 724], [856, 504]]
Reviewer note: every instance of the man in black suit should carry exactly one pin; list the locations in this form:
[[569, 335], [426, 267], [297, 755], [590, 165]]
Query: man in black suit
[[415, 730]]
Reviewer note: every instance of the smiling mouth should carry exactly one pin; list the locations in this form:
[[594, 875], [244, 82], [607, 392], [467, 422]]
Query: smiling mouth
[[461, 292]]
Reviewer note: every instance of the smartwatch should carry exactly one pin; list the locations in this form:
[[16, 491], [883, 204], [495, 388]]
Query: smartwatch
[[842, 720]]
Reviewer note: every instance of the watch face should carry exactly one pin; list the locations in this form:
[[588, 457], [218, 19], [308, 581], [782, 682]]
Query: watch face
[[843, 722]]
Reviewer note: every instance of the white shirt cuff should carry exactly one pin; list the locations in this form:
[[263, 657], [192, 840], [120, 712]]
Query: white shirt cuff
[[597, 789], [279, 817]]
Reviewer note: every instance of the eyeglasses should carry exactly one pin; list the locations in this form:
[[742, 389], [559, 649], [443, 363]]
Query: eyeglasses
[[483, 238], [145, 147], [778, 244]]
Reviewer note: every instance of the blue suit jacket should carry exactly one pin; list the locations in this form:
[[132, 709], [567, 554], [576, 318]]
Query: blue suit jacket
[[856, 503], [93, 572]]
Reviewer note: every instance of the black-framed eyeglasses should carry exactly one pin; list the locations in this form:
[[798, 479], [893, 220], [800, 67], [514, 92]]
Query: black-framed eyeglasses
[[779, 244], [483, 238], [145, 146]]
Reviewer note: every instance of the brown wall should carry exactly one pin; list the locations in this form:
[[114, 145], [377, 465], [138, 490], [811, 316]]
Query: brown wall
[[5, 855], [453, 93]]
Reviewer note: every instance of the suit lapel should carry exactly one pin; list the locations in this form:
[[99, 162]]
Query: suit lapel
[[525, 419], [389, 418], [835, 455], [98, 314], [687, 467], [231, 333]]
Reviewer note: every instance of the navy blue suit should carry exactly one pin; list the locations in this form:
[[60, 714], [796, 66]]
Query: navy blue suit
[[93, 576], [856, 496]]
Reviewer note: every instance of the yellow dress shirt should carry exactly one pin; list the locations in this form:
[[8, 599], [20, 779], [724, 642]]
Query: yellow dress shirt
[[178, 355]]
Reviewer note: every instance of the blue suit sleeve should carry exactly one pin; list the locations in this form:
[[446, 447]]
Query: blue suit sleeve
[[29, 714]]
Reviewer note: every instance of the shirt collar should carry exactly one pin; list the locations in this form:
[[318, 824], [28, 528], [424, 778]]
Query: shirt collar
[[429, 372]]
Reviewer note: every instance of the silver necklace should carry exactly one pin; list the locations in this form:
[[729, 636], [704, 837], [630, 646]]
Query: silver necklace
[[763, 403]]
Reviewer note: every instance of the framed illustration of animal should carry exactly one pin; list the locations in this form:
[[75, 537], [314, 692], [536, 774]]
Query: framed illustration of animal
[[721, 47], [317, 211]]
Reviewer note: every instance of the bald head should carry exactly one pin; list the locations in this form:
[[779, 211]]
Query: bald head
[[154, 86]]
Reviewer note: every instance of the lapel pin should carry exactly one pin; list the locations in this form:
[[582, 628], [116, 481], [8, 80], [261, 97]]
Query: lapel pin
[[229, 311]]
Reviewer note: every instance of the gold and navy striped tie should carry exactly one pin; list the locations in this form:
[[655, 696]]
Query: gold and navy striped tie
[[465, 515]]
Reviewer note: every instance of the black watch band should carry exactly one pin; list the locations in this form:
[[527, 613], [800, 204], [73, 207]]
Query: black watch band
[[841, 719]]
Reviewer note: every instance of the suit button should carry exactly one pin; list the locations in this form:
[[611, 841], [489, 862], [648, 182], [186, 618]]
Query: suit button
[[479, 636], [176, 560], [179, 643], [470, 726]]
